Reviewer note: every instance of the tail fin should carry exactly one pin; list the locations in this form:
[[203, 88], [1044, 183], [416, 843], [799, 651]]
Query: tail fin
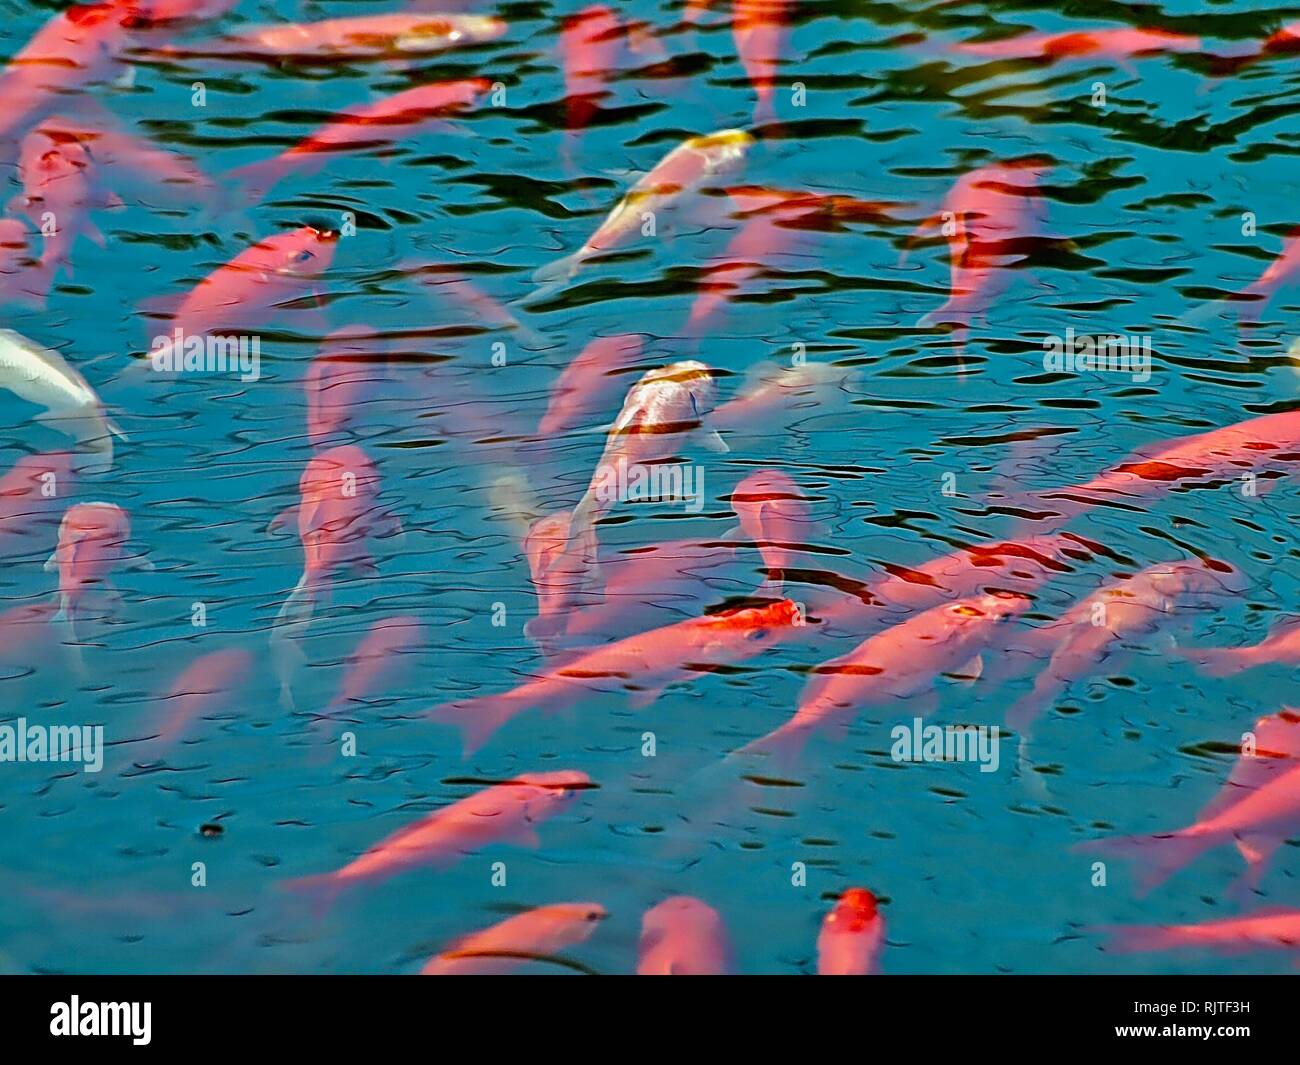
[[286, 635], [559, 271], [1216, 661], [1156, 858], [319, 892], [477, 719], [1131, 939], [246, 185]]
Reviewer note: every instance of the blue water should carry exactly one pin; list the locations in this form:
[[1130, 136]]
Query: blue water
[[1144, 203]]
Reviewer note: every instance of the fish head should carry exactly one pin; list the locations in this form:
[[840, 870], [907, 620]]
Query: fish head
[[305, 252], [1185, 586], [723, 150], [680, 394], [341, 480], [992, 608], [771, 508], [855, 911]]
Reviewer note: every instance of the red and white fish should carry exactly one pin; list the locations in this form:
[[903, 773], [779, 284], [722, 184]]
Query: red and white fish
[[643, 664], [683, 171], [503, 814], [1261, 819], [990, 217], [396, 35], [683, 936], [896, 666], [364, 129], [1272, 930], [534, 935], [852, 936], [245, 293]]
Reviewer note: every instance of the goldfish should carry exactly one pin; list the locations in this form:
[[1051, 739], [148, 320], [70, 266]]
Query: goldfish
[[644, 664], [778, 392], [339, 512], [1284, 41], [386, 36], [77, 48], [454, 289], [989, 217], [246, 292], [852, 936], [1280, 647], [377, 658], [42, 376], [341, 378], [589, 46], [1276, 929], [1253, 447], [205, 686], [505, 813], [589, 384], [1271, 747], [758, 27], [683, 936], [1118, 44], [363, 129], [534, 935], [93, 543], [60, 188], [775, 517], [683, 170], [1098, 628], [901, 663], [1261, 819], [664, 407]]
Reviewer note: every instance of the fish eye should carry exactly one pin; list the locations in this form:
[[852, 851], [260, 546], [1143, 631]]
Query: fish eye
[[304, 256]]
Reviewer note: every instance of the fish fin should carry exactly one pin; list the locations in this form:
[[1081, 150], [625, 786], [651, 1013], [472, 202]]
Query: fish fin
[[51, 563], [1215, 661], [477, 719], [1132, 939], [558, 272], [971, 671], [94, 233], [286, 645], [711, 440], [1257, 853], [1155, 858], [645, 697], [286, 517]]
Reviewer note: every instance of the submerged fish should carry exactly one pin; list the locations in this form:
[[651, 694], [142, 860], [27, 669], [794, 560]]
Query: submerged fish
[[534, 935]]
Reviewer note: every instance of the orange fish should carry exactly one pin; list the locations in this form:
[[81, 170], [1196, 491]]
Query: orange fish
[[645, 663], [852, 936], [759, 30], [1273, 930], [338, 514], [246, 292], [363, 129], [506, 813], [589, 47], [1280, 647], [901, 663], [683, 936], [205, 686], [1261, 819], [1117, 44], [535, 935]]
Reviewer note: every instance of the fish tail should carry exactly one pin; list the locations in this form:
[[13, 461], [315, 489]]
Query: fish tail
[[286, 635], [558, 272], [783, 747], [1155, 858], [320, 892], [246, 185], [1130, 939], [1216, 661], [477, 719]]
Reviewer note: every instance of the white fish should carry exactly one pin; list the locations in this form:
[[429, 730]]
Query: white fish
[[42, 376]]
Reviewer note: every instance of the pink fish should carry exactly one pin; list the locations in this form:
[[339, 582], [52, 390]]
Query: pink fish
[[590, 384], [377, 660], [341, 378], [990, 217], [1261, 819], [1281, 647], [338, 514], [363, 129], [589, 47], [895, 666], [1098, 629], [1272, 930], [1118, 44], [205, 686], [775, 517], [645, 663], [683, 936], [534, 935], [506, 813], [1282, 271], [25, 633], [1258, 446], [453, 290], [24, 278], [759, 30], [245, 293], [852, 936], [31, 494]]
